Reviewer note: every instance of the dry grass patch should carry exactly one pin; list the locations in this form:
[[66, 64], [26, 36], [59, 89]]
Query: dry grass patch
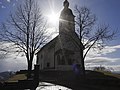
[[17, 77]]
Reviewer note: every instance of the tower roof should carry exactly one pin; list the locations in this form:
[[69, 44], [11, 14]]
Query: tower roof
[[66, 11], [66, 4]]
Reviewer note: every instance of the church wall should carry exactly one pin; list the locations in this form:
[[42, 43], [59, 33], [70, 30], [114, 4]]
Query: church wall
[[64, 67], [40, 60], [75, 57], [49, 58], [46, 56], [57, 47]]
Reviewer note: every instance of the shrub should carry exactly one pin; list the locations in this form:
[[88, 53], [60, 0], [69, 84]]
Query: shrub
[[102, 68]]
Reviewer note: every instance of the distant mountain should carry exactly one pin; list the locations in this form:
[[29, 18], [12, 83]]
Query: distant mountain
[[1, 78], [5, 75], [117, 72]]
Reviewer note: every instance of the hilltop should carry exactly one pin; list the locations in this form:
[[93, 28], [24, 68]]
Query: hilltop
[[94, 80]]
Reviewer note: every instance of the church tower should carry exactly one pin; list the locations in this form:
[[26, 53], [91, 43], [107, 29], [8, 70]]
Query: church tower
[[66, 22], [66, 27], [62, 52]]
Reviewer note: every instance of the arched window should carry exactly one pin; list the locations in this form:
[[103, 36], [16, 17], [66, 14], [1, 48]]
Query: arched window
[[70, 61], [58, 59]]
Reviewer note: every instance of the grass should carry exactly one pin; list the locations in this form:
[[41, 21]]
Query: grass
[[94, 80], [110, 74], [17, 77]]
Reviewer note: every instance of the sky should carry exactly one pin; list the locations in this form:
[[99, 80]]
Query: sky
[[107, 12]]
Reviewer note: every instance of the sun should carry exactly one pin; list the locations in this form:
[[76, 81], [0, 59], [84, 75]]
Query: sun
[[53, 18]]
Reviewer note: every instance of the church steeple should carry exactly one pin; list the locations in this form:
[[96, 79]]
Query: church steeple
[[66, 23], [66, 4]]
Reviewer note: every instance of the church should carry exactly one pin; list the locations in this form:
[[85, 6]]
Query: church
[[62, 52]]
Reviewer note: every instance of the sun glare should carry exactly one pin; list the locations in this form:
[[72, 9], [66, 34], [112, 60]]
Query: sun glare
[[53, 18]]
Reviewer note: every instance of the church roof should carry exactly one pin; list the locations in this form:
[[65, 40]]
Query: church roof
[[66, 11], [66, 3], [51, 43]]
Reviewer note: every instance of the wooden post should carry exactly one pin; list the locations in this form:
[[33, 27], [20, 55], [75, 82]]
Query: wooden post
[[36, 72]]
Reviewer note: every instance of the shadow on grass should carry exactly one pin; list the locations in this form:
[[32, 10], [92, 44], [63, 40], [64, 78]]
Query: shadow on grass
[[93, 81]]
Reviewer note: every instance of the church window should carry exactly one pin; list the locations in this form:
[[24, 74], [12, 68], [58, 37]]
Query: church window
[[48, 65], [58, 59], [63, 61], [70, 61]]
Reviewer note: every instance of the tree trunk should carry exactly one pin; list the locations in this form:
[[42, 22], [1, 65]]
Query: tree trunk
[[83, 66], [29, 65], [82, 63], [29, 69]]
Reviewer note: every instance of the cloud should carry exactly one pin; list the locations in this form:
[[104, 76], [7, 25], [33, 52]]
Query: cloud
[[12, 64], [8, 0], [95, 58], [110, 49], [3, 6], [12, 60], [13, 4], [104, 51], [101, 60], [115, 67]]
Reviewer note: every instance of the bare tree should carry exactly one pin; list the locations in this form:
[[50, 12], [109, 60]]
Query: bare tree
[[26, 30], [89, 35]]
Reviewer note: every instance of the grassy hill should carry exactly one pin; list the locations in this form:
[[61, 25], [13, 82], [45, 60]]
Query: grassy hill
[[17, 77], [5, 75], [94, 80]]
